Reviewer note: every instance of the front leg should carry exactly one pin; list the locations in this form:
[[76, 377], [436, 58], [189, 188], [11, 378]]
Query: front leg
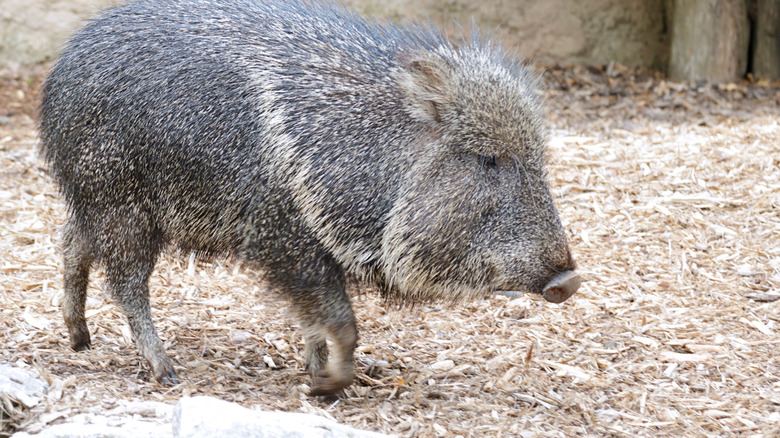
[[325, 312], [340, 369], [316, 350]]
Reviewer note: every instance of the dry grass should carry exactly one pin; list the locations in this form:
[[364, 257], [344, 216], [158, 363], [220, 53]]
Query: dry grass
[[671, 195]]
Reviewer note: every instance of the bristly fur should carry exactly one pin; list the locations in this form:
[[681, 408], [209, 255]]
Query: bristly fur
[[306, 140]]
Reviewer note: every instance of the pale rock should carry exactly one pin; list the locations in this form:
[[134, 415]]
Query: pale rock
[[196, 417], [79, 427], [22, 385], [130, 419]]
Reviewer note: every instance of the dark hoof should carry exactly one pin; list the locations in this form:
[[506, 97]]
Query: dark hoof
[[168, 380], [81, 345]]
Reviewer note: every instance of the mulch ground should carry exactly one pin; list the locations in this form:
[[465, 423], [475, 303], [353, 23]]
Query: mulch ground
[[671, 197]]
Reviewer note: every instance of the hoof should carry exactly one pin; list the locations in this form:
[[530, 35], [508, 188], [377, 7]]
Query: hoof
[[326, 385], [81, 346], [79, 339], [165, 373]]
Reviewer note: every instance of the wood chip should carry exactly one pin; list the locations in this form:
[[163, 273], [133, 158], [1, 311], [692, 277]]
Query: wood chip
[[764, 298], [444, 365], [670, 356]]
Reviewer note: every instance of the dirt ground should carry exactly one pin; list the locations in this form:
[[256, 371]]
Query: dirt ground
[[671, 197]]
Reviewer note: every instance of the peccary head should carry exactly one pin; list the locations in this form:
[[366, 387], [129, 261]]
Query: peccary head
[[475, 213]]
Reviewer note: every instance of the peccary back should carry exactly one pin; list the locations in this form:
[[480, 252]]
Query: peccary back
[[307, 141]]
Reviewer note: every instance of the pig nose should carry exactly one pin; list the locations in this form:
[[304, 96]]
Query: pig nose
[[561, 286]]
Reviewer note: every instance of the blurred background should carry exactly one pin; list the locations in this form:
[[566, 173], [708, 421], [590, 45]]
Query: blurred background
[[715, 40]]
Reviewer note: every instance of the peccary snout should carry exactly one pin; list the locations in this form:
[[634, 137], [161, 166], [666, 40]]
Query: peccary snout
[[561, 287]]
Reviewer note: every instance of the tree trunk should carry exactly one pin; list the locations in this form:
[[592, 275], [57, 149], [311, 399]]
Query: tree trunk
[[709, 40], [766, 56]]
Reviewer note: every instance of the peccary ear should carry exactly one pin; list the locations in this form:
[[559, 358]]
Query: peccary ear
[[425, 81]]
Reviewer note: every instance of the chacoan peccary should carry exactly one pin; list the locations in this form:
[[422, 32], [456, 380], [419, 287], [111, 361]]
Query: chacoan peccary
[[304, 140]]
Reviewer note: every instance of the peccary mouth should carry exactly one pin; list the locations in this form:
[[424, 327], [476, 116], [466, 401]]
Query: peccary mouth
[[560, 287]]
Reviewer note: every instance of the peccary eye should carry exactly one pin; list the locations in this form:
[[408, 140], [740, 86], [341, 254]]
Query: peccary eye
[[489, 161]]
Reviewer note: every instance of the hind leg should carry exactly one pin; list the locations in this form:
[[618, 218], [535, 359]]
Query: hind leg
[[128, 285], [78, 259], [129, 253]]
